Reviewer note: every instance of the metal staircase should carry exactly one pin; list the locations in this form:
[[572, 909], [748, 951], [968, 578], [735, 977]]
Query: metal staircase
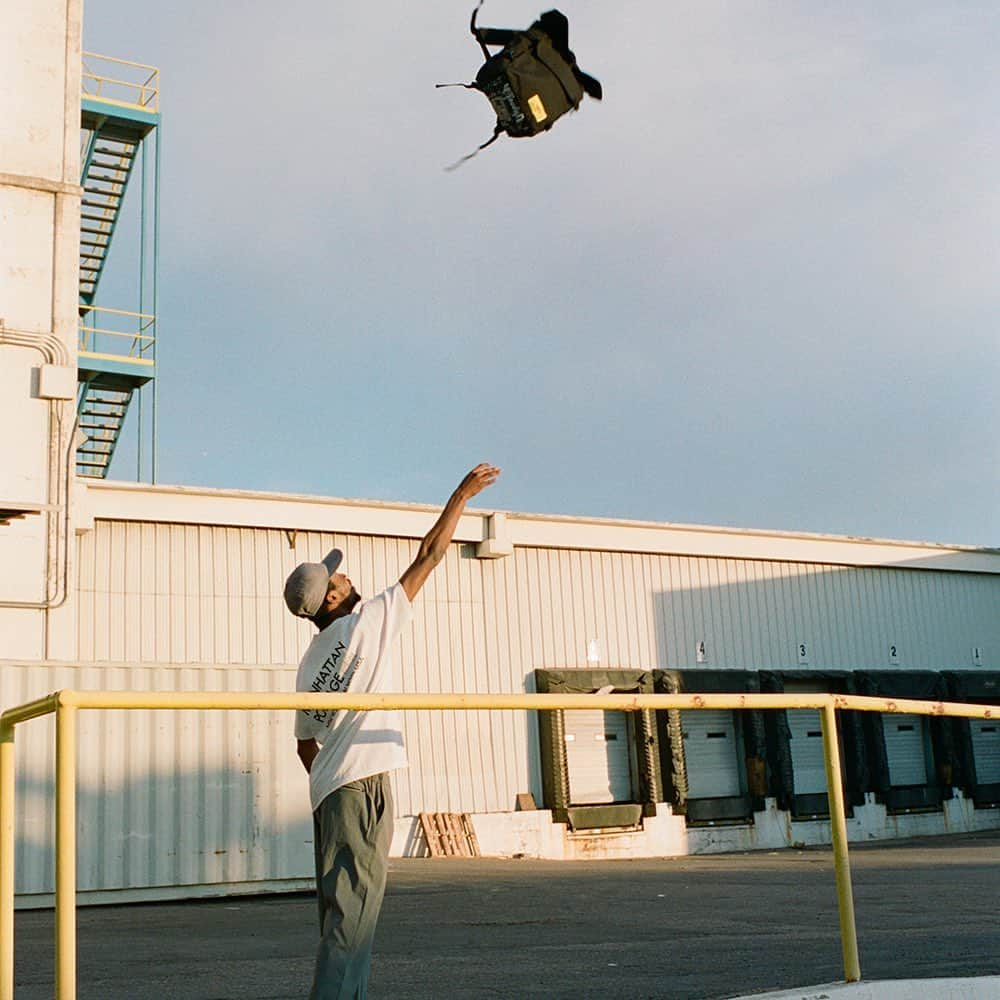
[[101, 415], [117, 349], [106, 172]]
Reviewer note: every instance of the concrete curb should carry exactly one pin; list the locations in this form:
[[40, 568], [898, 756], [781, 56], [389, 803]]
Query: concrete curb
[[979, 988]]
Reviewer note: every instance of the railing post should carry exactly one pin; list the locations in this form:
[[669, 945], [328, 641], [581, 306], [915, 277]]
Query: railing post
[[66, 852], [6, 861], [838, 834]]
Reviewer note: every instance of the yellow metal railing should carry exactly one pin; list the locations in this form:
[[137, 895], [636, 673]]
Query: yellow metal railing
[[65, 705], [108, 340], [119, 81]]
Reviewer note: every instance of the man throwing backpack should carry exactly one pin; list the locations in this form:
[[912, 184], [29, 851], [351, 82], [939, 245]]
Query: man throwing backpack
[[348, 754]]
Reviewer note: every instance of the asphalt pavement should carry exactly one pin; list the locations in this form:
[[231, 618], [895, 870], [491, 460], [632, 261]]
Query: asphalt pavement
[[688, 928]]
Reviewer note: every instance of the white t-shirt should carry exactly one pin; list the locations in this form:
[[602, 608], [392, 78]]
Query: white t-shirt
[[354, 653]]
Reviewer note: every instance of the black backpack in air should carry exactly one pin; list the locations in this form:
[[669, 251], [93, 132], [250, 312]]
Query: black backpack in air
[[533, 80]]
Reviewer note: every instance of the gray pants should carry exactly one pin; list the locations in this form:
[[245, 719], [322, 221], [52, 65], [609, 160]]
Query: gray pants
[[353, 831]]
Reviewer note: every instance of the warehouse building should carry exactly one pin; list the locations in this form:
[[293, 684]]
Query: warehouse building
[[118, 586], [180, 589]]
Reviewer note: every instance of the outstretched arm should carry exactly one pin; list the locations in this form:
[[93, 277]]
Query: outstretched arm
[[437, 540]]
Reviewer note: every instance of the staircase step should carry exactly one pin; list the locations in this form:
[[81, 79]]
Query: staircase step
[[128, 149], [114, 163]]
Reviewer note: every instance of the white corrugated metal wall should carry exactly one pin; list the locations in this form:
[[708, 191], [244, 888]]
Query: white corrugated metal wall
[[164, 798], [651, 610], [200, 594], [204, 596]]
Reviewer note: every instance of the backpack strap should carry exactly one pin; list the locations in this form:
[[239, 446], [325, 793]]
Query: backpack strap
[[489, 36], [497, 132]]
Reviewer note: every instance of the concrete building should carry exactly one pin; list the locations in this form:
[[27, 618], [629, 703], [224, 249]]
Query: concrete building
[[110, 585]]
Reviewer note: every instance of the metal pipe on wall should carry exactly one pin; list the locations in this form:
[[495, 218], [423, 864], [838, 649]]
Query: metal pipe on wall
[[53, 350]]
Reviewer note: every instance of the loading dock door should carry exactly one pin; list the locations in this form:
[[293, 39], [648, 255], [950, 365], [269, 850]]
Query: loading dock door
[[710, 753], [986, 748], [598, 757], [807, 751], [905, 749]]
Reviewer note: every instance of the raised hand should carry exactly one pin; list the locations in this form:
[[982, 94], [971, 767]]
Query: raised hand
[[477, 480]]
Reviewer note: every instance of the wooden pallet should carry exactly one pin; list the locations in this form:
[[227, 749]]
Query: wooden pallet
[[449, 835]]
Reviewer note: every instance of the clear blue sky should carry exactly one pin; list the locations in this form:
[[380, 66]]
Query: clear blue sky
[[756, 286]]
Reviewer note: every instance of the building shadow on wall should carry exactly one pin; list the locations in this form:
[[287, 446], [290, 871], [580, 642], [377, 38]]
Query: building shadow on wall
[[166, 829], [728, 625]]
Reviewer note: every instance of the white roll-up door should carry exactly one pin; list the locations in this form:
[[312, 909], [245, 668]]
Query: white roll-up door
[[597, 757], [806, 746], [710, 753], [905, 749], [986, 748]]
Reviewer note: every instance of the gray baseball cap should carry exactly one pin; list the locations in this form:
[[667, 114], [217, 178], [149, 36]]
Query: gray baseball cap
[[307, 584]]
